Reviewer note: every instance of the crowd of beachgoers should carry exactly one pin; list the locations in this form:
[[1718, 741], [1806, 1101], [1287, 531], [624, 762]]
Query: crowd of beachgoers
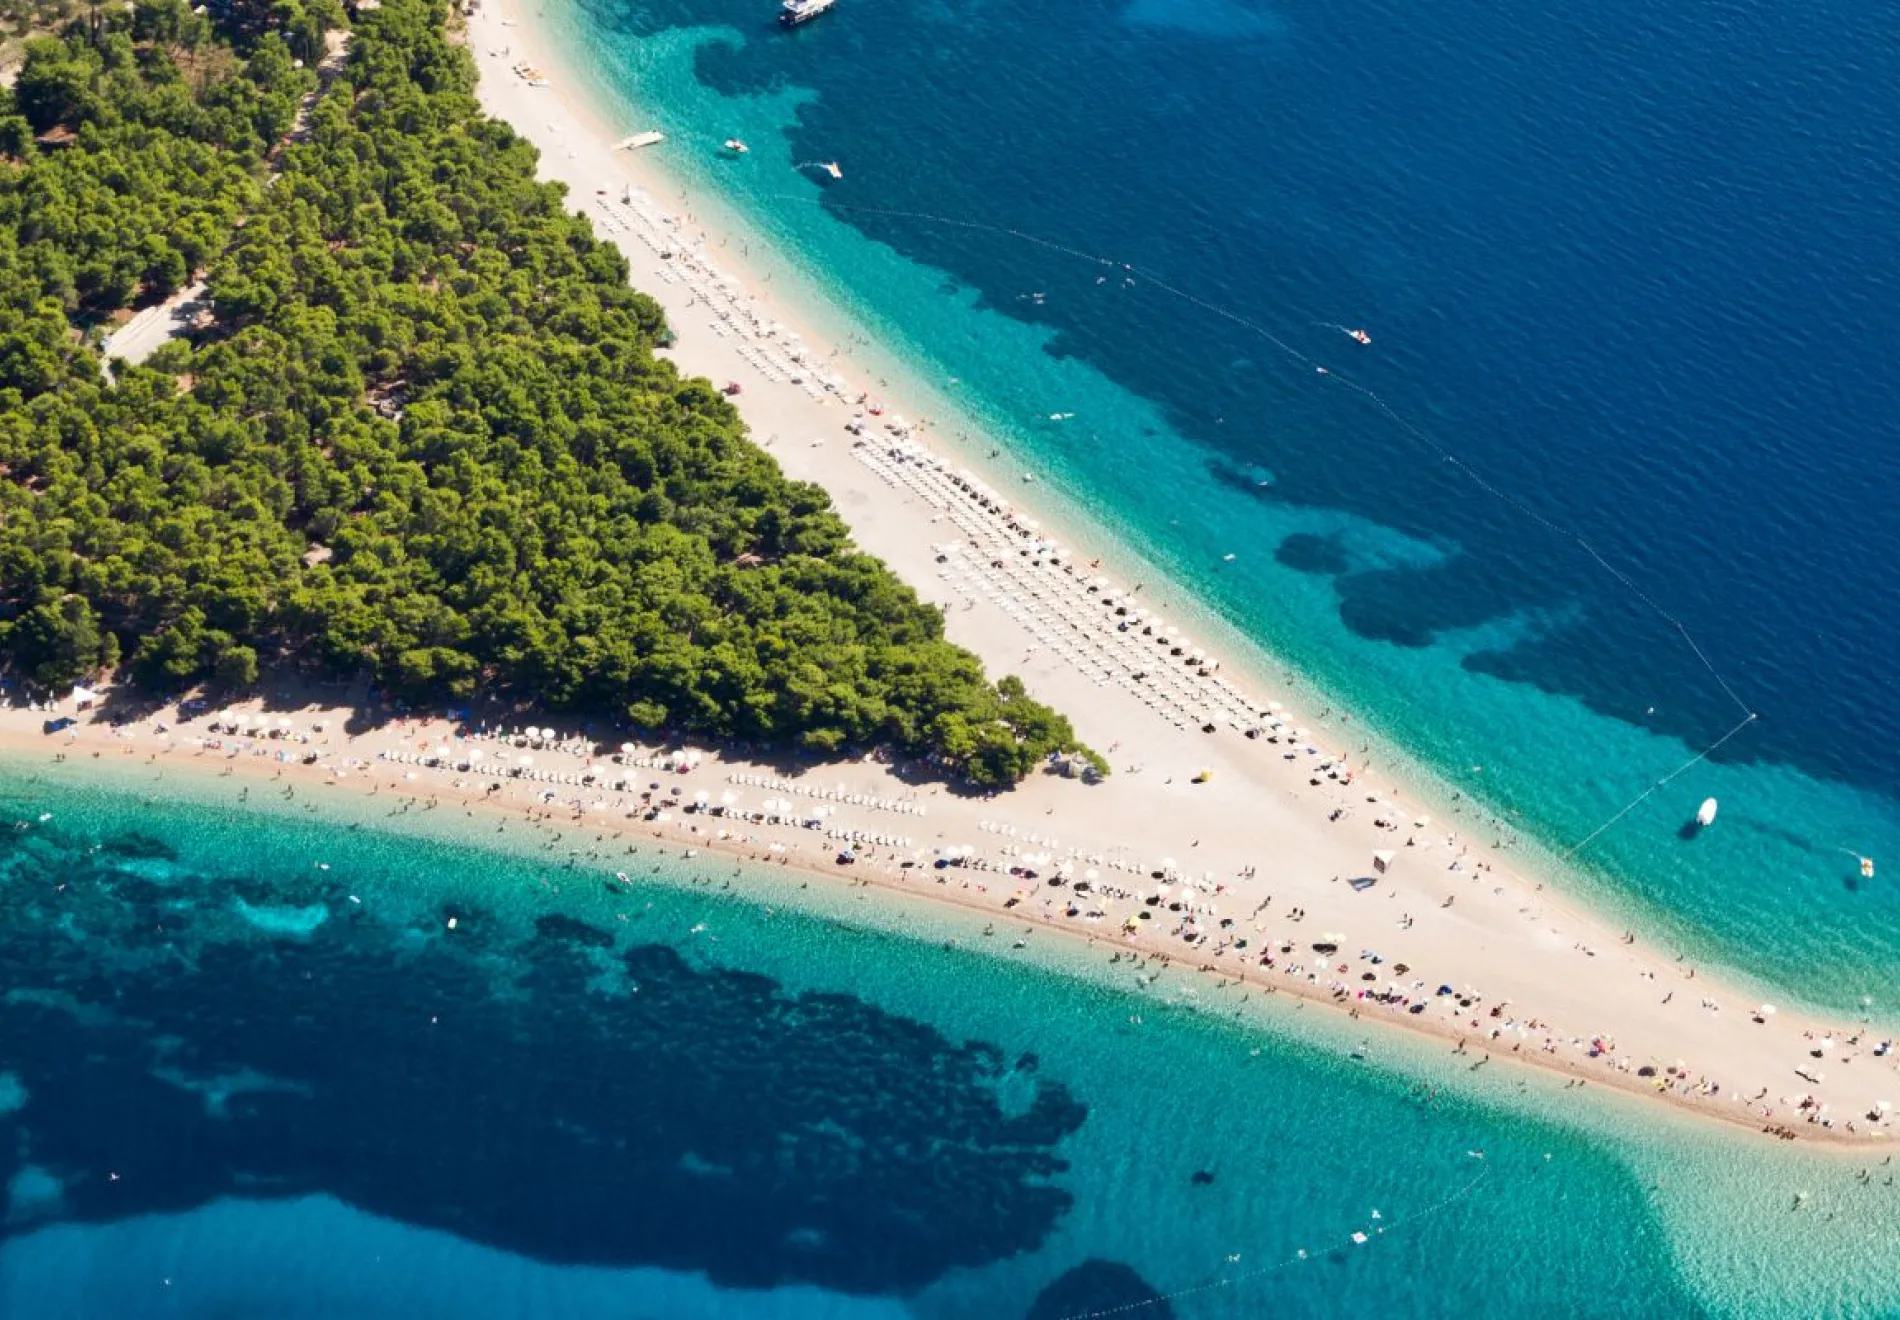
[[998, 553], [622, 807]]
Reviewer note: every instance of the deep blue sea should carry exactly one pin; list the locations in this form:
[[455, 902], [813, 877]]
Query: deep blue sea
[[248, 1068], [1631, 282]]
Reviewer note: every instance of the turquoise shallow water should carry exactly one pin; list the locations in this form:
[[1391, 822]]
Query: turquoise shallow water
[[1520, 251], [754, 1098]]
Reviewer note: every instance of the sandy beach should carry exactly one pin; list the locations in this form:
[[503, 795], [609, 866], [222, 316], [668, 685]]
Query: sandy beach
[[1539, 985], [1237, 836], [1267, 812]]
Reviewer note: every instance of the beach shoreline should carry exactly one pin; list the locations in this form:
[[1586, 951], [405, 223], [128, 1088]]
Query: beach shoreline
[[1284, 814], [310, 748], [1305, 871]]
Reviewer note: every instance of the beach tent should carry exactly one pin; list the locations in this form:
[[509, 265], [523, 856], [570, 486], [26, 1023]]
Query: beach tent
[[1383, 858]]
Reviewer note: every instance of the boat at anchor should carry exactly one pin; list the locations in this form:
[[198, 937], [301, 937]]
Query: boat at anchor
[[794, 12]]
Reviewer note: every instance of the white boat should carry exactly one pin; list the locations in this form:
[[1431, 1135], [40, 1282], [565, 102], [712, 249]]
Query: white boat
[[794, 12], [1705, 814]]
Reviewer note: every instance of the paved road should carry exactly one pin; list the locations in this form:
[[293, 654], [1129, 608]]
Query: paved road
[[141, 336]]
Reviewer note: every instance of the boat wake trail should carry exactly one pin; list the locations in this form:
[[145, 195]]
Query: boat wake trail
[[1132, 273], [1359, 336]]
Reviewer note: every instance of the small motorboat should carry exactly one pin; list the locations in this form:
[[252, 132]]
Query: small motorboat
[[831, 168], [1705, 814], [1361, 336], [736, 147]]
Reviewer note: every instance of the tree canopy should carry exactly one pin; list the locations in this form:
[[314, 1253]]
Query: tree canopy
[[425, 431]]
